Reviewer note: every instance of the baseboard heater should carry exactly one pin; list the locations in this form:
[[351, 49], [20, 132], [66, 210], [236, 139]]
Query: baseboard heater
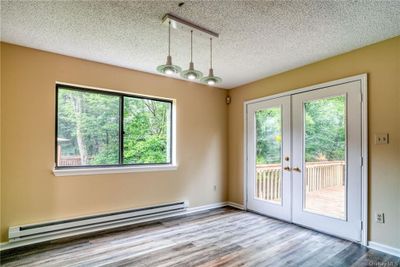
[[57, 229]]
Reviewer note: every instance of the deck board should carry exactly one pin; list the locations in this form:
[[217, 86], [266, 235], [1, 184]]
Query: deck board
[[327, 201]]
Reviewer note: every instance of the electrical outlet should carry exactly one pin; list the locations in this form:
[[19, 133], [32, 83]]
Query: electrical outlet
[[381, 139], [380, 217]]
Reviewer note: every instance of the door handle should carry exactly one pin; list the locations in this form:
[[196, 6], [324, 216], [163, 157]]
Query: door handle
[[296, 169], [287, 168]]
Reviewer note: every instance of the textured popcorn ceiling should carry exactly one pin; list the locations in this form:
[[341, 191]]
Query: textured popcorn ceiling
[[257, 38]]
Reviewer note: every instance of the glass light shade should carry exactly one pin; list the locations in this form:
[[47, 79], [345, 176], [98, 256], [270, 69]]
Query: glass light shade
[[169, 71], [210, 82], [191, 73], [169, 68], [211, 79]]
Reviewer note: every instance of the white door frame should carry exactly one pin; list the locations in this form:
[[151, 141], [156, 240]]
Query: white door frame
[[364, 141]]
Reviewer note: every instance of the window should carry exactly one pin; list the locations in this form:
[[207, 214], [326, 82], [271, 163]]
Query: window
[[106, 129]]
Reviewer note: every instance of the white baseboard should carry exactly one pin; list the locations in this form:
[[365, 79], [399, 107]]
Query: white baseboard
[[15, 244], [384, 248], [214, 206], [235, 205], [206, 207]]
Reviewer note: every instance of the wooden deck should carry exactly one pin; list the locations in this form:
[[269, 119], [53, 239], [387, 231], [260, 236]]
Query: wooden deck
[[329, 201], [221, 237]]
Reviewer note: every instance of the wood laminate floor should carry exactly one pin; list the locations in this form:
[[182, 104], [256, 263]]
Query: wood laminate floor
[[220, 237]]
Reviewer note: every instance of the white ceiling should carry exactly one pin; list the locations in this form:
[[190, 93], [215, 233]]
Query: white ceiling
[[257, 38]]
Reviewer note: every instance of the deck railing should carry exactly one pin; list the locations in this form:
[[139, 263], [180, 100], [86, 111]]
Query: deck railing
[[268, 184], [324, 174], [319, 175], [69, 161]]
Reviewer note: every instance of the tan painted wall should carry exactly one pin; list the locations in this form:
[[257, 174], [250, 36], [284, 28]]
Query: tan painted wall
[[31, 193], [382, 63]]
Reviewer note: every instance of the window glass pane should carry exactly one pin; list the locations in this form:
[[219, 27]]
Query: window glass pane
[[325, 156], [269, 154], [88, 128], [146, 131]]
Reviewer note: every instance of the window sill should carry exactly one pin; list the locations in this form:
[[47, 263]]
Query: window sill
[[111, 170]]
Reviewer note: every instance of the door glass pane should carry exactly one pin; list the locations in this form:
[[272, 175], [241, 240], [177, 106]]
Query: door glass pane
[[268, 154], [325, 156]]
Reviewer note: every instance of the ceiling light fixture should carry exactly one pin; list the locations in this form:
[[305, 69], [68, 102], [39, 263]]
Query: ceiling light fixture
[[191, 73], [169, 68], [211, 79]]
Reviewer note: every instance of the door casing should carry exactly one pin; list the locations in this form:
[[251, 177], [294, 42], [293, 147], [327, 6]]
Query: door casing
[[364, 140]]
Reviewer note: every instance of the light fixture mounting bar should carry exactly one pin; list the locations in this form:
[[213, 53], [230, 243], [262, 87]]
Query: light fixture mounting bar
[[176, 21]]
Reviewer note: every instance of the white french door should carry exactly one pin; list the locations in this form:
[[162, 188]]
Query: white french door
[[269, 184], [304, 159]]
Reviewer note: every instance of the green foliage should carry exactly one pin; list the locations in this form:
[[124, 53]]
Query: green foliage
[[88, 127], [95, 119], [269, 136], [145, 126], [325, 132]]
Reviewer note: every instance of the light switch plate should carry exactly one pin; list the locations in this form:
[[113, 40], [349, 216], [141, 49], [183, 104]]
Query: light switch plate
[[381, 139]]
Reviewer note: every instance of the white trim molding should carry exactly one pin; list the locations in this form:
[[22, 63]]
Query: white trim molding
[[109, 170], [384, 248], [364, 153], [235, 205], [206, 207], [215, 206]]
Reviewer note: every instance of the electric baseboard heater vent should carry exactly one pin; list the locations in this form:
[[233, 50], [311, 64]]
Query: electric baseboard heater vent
[[57, 229]]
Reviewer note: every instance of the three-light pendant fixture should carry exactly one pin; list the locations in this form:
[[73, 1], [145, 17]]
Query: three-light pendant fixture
[[191, 73]]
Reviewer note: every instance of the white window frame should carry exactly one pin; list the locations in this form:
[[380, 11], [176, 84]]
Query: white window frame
[[123, 169]]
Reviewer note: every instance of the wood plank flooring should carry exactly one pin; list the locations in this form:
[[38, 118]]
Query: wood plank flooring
[[220, 237]]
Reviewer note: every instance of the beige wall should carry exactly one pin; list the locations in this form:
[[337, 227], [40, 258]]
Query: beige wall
[[382, 63], [31, 193]]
